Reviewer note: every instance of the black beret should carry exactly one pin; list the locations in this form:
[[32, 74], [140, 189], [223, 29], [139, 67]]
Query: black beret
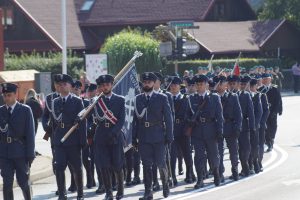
[[190, 81], [92, 87], [211, 83], [149, 76], [107, 78], [175, 80], [200, 78], [64, 78], [253, 81], [159, 76], [77, 84], [233, 78], [245, 79], [9, 87], [221, 79]]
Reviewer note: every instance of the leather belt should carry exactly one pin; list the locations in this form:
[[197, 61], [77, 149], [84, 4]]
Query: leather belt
[[64, 125], [226, 120], [206, 120], [147, 124], [9, 140], [105, 124], [178, 121]]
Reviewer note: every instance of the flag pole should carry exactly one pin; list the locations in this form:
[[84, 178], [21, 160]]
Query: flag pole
[[64, 36], [84, 113]]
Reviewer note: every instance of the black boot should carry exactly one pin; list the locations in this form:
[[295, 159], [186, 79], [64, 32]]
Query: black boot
[[199, 183], [148, 176], [188, 176], [256, 166], [61, 184], [27, 193], [101, 189], [106, 176], [89, 178], [120, 183], [245, 169], [216, 177], [8, 193], [72, 187], [165, 181], [235, 173], [79, 184], [180, 170], [136, 180], [156, 186]]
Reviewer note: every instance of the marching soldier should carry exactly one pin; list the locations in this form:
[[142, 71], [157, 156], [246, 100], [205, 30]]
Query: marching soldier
[[248, 125], [181, 142], [108, 141], [254, 138], [65, 111], [275, 103], [48, 121], [152, 131], [232, 127], [205, 120], [16, 143]]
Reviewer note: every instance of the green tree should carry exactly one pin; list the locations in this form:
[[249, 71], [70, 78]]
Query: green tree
[[121, 47], [281, 9]]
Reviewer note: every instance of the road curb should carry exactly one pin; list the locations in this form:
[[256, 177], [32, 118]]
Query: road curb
[[46, 172]]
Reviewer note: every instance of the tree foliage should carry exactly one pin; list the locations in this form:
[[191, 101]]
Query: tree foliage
[[121, 47], [281, 9]]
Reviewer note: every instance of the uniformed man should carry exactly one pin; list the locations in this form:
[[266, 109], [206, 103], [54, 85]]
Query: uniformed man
[[157, 89], [275, 103], [86, 153], [181, 143], [47, 118], [190, 88], [248, 125], [65, 111], [109, 154], [254, 138], [152, 131], [205, 116], [232, 126], [16, 143]]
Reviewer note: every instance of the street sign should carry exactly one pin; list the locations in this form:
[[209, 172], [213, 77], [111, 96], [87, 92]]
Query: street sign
[[191, 47], [181, 24], [165, 49]]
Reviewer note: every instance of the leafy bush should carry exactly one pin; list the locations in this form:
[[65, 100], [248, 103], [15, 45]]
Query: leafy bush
[[121, 47]]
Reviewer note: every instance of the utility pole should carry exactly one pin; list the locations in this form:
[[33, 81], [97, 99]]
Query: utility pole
[[1, 43], [64, 36]]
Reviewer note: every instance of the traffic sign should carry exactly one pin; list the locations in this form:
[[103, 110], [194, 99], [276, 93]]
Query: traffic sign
[[181, 24], [165, 49], [191, 47]]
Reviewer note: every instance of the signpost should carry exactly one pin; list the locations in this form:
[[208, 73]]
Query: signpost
[[191, 47]]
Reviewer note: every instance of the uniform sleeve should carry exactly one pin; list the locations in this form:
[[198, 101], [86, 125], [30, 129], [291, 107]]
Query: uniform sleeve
[[237, 110], [259, 112], [168, 117], [266, 110], [82, 126], [250, 112], [30, 134], [121, 118], [45, 117], [219, 115]]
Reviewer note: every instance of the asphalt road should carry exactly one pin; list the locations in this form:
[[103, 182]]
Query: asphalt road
[[280, 179]]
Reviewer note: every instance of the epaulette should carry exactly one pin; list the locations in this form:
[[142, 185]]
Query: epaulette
[[275, 86]]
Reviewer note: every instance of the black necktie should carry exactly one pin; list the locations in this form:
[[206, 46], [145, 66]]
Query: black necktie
[[174, 98], [64, 101], [201, 99], [9, 111]]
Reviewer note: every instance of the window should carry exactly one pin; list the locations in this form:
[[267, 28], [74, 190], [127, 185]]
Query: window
[[87, 5], [7, 17], [219, 11]]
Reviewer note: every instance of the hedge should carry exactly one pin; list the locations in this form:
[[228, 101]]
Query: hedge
[[52, 62]]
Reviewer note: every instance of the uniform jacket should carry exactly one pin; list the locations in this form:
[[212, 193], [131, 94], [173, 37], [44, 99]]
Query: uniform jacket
[[69, 111], [266, 111], [232, 113], [212, 110], [247, 111], [158, 112], [47, 111], [274, 98], [180, 108], [20, 125], [258, 112], [104, 135]]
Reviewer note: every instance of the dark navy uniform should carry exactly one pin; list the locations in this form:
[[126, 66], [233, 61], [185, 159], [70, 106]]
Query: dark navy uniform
[[248, 127], [108, 141], [232, 127], [254, 138], [153, 129], [207, 130], [65, 111], [275, 103], [16, 145]]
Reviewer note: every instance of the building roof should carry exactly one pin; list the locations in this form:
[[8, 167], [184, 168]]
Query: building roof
[[47, 16], [122, 12], [228, 37], [17, 76]]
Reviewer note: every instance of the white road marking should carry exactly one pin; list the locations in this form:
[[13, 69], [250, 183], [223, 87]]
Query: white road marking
[[229, 183]]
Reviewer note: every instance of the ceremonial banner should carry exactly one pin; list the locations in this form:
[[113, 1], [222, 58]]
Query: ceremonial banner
[[128, 86], [96, 65]]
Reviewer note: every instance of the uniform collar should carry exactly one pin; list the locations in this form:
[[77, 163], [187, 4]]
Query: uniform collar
[[203, 94], [12, 107], [149, 93], [66, 97], [177, 95], [109, 97]]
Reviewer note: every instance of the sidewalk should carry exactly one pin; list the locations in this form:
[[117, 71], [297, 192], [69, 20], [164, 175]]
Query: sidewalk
[[289, 94], [41, 168]]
